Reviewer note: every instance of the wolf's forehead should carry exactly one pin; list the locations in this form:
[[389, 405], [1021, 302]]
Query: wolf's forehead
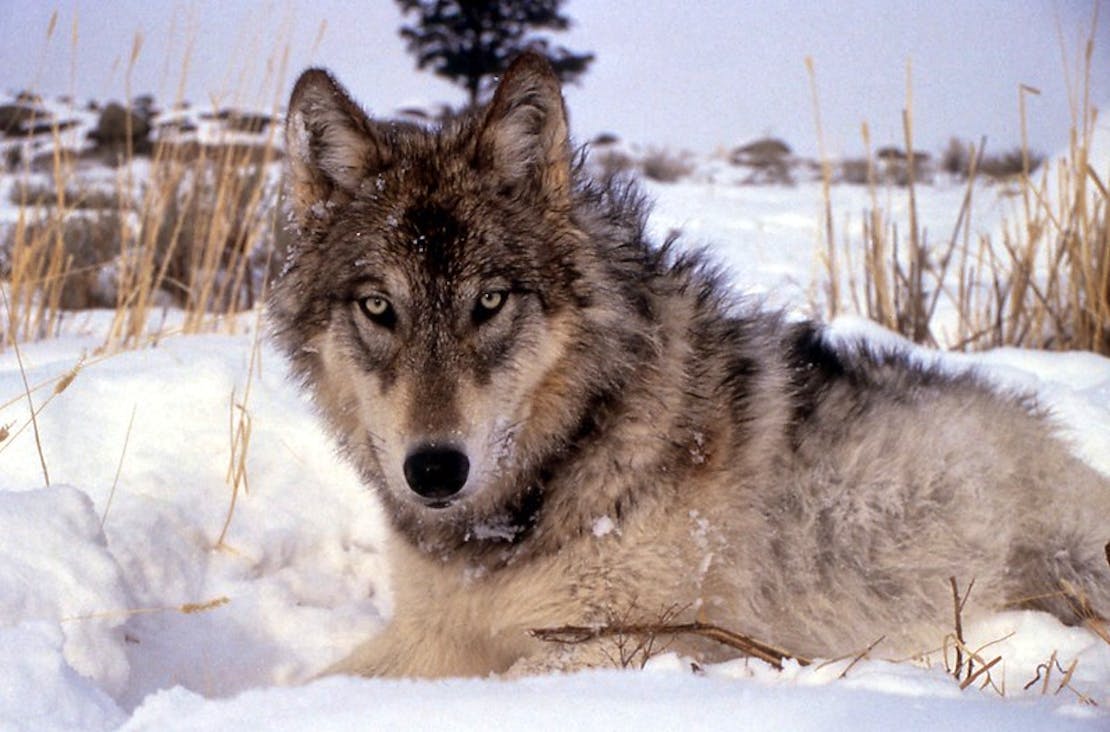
[[434, 238]]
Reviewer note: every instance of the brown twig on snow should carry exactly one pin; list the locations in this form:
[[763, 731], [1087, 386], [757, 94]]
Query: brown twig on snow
[[958, 608], [978, 672], [861, 655], [574, 634]]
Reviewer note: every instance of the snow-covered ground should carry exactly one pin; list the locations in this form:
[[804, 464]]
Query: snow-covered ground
[[119, 607]]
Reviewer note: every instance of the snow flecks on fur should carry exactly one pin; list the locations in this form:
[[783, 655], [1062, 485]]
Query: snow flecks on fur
[[704, 539], [502, 442], [320, 209], [297, 139], [697, 450], [603, 526], [498, 528]]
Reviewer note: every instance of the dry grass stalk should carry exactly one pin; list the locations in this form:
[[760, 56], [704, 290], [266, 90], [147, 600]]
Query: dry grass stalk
[[977, 664], [1081, 605], [236, 477], [833, 294], [861, 655], [1044, 674], [119, 467], [188, 608], [240, 430], [984, 669], [30, 400], [60, 384], [901, 289]]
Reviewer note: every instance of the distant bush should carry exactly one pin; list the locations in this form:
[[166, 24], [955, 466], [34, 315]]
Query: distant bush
[[204, 231], [605, 138], [121, 131], [14, 116], [660, 164], [768, 158], [1009, 164], [242, 121], [84, 248], [854, 171], [955, 159], [608, 163], [891, 166], [26, 193], [13, 158], [760, 152]]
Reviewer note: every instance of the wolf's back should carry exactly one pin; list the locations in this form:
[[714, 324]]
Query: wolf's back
[[901, 476]]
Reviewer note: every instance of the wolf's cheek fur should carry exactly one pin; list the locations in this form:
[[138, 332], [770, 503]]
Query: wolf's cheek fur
[[355, 403], [506, 416]]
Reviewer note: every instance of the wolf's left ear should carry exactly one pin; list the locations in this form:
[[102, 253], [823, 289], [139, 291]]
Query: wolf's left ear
[[330, 146], [523, 137]]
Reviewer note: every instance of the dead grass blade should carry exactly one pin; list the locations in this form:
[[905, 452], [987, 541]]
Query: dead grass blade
[[119, 467], [30, 400], [188, 608]]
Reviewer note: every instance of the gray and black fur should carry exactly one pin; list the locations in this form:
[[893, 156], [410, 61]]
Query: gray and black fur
[[632, 439]]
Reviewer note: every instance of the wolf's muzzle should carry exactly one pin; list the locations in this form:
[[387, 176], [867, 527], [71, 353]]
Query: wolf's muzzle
[[436, 473]]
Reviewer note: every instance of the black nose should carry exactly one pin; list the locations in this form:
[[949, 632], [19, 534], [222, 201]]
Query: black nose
[[436, 472]]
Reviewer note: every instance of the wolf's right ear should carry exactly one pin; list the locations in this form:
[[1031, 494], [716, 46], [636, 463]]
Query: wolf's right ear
[[331, 146]]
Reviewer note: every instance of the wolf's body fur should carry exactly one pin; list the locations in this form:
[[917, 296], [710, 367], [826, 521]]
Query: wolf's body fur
[[639, 441]]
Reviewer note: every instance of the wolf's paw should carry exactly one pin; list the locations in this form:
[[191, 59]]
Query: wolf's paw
[[566, 659]]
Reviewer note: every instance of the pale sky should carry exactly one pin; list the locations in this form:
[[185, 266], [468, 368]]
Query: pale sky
[[685, 75]]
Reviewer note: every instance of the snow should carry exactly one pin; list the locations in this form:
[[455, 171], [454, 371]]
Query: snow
[[658, 699], [603, 526], [119, 606]]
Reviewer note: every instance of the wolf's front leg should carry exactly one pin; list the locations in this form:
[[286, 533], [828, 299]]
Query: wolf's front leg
[[412, 650], [382, 655]]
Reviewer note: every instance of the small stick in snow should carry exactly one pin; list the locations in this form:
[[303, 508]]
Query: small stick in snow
[[958, 607], [979, 672], [749, 646], [861, 655]]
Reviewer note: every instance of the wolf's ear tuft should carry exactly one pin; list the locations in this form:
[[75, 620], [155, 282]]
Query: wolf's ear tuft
[[330, 145], [523, 137]]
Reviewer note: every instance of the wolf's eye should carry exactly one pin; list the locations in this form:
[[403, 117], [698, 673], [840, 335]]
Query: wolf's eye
[[489, 303], [378, 309]]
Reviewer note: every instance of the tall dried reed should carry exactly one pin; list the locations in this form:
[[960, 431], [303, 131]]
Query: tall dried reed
[[1041, 281]]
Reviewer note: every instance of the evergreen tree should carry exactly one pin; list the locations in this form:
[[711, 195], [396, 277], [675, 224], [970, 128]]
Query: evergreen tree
[[470, 41]]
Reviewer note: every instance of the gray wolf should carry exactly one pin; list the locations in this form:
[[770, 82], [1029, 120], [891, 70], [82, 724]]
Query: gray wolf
[[567, 424]]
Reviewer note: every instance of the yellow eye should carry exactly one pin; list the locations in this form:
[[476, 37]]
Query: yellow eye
[[378, 310], [375, 305], [489, 304], [492, 300]]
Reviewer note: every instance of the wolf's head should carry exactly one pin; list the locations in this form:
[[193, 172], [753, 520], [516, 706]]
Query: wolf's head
[[453, 299]]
